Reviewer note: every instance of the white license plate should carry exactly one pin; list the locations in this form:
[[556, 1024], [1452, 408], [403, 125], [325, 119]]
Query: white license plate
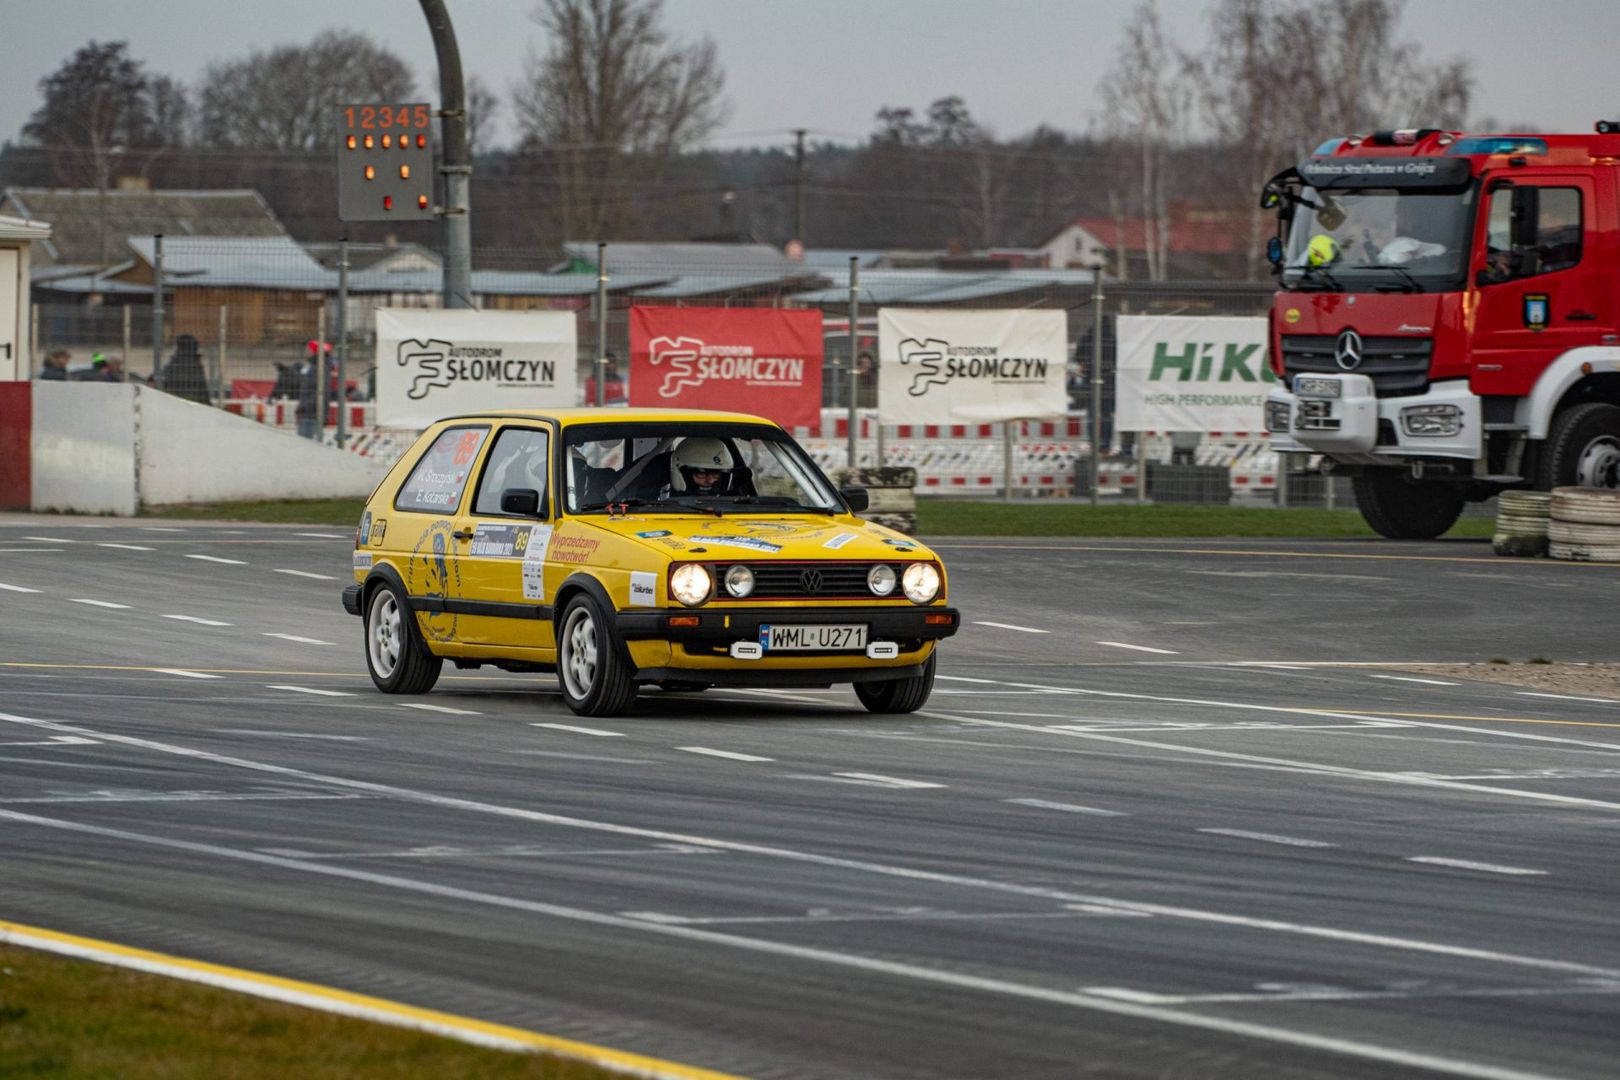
[[790, 637]]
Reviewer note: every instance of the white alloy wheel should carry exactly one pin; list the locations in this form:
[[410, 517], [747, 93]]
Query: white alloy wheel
[[579, 652], [384, 633]]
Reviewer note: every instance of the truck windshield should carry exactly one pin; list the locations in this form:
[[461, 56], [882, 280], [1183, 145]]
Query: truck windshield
[[1378, 240]]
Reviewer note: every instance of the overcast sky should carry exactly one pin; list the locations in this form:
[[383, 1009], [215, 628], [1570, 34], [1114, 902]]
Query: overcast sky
[[829, 65]]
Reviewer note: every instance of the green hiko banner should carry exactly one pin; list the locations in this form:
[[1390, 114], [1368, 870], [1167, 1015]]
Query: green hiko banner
[[1181, 373]]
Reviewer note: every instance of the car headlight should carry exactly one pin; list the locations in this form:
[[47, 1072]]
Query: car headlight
[[691, 583], [921, 582], [881, 580], [1432, 420], [739, 581]]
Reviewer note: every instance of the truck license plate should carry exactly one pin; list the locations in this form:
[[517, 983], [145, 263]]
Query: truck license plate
[[790, 637]]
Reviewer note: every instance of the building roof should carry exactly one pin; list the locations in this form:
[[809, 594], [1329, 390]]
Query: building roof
[[272, 262], [943, 286], [14, 228], [688, 258], [81, 217]]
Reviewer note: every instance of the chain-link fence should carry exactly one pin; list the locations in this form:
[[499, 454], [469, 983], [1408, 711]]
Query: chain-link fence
[[244, 319]]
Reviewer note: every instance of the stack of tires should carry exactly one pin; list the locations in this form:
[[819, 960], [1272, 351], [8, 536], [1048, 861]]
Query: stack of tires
[[1584, 524], [1521, 523]]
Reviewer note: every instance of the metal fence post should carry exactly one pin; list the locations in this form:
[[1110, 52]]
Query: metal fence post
[[854, 351], [129, 358], [1095, 405], [320, 373], [33, 337], [601, 324], [218, 396], [342, 338], [157, 305], [1007, 460]]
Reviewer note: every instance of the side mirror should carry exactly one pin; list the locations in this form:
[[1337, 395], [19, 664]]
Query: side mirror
[[1270, 199], [1274, 251], [523, 502], [856, 497]]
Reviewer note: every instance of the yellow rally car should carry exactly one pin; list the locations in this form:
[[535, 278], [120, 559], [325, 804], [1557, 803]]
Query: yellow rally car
[[624, 547]]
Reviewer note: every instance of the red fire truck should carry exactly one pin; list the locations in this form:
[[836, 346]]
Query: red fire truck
[[1447, 324]]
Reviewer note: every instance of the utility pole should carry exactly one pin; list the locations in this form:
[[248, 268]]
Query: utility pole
[[457, 163], [798, 185]]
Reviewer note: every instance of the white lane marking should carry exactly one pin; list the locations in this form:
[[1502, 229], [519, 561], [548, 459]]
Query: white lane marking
[[125, 796], [1567, 697], [915, 914], [97, 603], [291, 734], [197, 619], [309, 690], [300, 640], [50, 539], [1295, 992], [126, 547], [160, 528], [886, 781], [983, 984], [325, 536], [1218, 918], [732, 754], [582, 730], [184, 674], [1464, 864], [33, 549], [1139, 648], [56, 740], [216, 558], [1409, 678], [962, 678], [1009, 626], [306, 573], [1268, 838], [1068, 808], [425, 707], [16, 588], [1032, 715]]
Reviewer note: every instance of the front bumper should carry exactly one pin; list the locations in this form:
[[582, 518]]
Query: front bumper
[[718, 628], [351, 599], [1357, 426]]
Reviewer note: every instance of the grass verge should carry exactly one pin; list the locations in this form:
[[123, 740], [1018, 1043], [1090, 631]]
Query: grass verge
[[67, 1019], [953, 517]]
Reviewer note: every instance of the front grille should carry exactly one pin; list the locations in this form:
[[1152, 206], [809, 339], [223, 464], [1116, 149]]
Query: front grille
[[1398, 366], [810, 580]]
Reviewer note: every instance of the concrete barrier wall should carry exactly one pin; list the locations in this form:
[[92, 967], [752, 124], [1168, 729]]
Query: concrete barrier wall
[[84, 446], [112, 448], [195, 453]]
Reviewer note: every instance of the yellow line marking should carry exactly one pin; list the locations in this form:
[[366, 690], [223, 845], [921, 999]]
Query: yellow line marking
[[331, 999], [1476, 560]]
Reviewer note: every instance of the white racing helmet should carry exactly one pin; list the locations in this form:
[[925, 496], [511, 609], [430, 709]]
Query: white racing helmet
[[701, 454]]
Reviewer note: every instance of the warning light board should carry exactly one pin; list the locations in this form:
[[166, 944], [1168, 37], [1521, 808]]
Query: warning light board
[[385, 162]]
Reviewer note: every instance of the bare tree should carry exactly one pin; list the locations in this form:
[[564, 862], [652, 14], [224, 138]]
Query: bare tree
[[482, 105], [287, 97], [1149, 99], [96, 107], [612, 95]]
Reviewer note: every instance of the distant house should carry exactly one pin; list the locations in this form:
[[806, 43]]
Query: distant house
[[1203, 244]]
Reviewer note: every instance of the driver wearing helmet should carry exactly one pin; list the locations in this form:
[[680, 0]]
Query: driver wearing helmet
[[701, 466]]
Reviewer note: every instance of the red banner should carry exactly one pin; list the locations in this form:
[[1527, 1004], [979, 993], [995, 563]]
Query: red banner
[[756, 360]]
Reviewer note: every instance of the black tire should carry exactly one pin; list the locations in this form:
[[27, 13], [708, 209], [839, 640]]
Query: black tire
[[1582, 449], [593, 668], [396, 655], [903, 695], [1401, 508]]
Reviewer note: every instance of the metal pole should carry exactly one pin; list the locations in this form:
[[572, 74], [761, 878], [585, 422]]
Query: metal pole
[[1007, 460], [1096, 382], [342, 339], [219, 355], [129, 358], [157, 305], [601, 324], [854, 348], [33, 337], [456, 162], [320, 373], [798, 186]]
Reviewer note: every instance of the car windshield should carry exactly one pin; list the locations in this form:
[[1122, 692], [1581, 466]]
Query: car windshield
[[703, 467], [1378, 240]]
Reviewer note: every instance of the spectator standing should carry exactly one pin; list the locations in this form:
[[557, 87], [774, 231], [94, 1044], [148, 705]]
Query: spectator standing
[[107, 368], [55, 366], [317, 364], [183, 376]]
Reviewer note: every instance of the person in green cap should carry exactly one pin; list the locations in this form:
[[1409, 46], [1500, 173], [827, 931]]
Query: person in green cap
[[106, 368]]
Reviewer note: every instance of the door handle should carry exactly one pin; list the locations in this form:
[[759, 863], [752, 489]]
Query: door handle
[[463, 534]]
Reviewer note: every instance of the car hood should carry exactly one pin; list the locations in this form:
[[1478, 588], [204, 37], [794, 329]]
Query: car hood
[[762, 536]]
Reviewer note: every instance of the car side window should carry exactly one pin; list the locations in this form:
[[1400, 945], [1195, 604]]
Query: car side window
[[1532, 230], [517, 460], [436, 484]]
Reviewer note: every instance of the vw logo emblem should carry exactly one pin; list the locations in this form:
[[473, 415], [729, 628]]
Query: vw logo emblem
[[1347, 350], [811, 580]]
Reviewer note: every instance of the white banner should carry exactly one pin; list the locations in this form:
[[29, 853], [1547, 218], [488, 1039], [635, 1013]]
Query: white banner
[[955, 367], [433, 364], [1184, 373]]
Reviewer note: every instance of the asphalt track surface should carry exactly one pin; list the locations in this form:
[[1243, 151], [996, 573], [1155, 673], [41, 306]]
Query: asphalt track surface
[[1155, 822]]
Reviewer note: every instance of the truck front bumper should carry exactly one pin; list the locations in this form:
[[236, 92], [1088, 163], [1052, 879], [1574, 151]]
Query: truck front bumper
[[1340, 416]]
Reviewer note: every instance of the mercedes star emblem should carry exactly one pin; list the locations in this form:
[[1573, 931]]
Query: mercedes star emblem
[[1347, 350]]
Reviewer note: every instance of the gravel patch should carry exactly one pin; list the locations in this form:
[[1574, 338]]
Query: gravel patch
[[1587, 680]]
